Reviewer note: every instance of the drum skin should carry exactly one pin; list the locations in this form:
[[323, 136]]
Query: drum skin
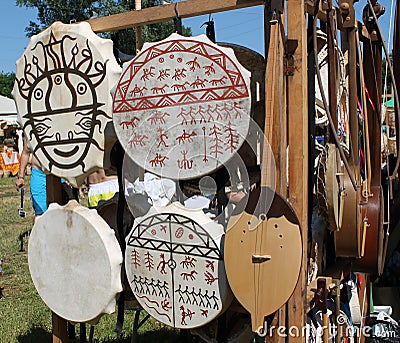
[[63, 96], [373, 259], [348, 239], [174, 263], [333, 180], [75, 262], [181, 107], [255, 63]]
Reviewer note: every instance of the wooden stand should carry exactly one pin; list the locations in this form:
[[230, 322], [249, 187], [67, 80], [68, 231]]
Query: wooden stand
[[53, 190], [296, 115], [298, 154], [158, 14], [292, 126], [60, 334]]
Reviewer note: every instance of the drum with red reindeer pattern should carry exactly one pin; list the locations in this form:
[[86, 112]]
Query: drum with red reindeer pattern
[[174, 263]]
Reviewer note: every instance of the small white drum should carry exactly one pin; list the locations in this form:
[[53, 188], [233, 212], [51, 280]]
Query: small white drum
[[75, 262], [174, 264]]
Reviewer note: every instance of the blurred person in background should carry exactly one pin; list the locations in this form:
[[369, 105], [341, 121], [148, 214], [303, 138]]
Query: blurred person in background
[[37, 181], [101, 187]]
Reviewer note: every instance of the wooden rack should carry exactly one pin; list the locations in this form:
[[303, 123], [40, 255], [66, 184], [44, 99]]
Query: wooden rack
[[296, 115]]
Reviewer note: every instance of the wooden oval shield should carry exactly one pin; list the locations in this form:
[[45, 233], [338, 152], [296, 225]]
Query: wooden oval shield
[[263, 252]]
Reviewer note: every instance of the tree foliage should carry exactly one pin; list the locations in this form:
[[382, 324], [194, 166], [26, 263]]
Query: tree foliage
[[6, 84], [50, 11], [65, 11]]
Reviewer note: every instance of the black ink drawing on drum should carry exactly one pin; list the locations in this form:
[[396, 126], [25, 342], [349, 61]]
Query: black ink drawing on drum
[[59, 85], [178, 227]]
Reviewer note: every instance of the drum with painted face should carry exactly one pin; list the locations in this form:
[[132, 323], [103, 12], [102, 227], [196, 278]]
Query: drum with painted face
[[63, 145], [62, 92]]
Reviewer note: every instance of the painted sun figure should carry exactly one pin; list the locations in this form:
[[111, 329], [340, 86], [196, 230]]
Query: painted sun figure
[[59, 90]]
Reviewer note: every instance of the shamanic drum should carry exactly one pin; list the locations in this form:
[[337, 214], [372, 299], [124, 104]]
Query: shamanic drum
[[75, 262], [182, 107], [62, 92], [174, 263]]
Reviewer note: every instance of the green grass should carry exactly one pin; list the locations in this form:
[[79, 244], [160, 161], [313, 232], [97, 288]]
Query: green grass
[[23, 315]]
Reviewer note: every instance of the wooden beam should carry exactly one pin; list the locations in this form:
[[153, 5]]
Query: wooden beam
[[310, 6], [298, 154], [139, 40], [281, 163], [157, 14], [278, 145]]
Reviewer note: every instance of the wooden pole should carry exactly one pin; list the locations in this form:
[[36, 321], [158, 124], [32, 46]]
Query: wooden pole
[[363, 299], [53, 189], [321, 301], [298, 156], [332, 65], [59, 325], [138, 29], [278, 145]]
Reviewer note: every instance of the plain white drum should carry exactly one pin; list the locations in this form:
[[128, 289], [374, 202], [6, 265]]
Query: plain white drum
[[75, 262]]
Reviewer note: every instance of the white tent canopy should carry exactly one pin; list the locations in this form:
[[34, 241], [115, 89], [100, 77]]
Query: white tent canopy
[[8, 110]]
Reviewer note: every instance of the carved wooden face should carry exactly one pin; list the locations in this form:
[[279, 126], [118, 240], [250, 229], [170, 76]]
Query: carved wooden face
[[63, 129]]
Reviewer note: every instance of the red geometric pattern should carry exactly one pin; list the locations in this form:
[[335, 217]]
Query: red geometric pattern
[[234, 89], [182, 107]]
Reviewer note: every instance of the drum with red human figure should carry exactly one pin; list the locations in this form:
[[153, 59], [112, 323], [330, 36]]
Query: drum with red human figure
[[182, 107], [174, 264]]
